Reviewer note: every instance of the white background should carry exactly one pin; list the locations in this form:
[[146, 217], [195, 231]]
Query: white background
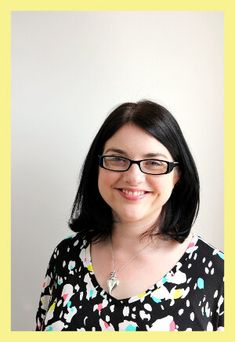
[[69, 70]]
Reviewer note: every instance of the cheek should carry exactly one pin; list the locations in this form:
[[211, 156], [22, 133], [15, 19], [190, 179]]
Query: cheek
[[105, 181], [101, 182], [164, 185]]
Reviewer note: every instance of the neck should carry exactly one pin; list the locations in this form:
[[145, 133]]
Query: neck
[[134, 229], [128, 237]]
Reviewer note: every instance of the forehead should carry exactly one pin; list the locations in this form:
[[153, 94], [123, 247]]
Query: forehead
[[135, 142]]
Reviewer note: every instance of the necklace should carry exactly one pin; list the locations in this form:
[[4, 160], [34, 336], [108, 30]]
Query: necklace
[[113, 280]]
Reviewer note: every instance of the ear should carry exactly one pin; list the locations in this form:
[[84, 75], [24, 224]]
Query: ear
[[177, 175]]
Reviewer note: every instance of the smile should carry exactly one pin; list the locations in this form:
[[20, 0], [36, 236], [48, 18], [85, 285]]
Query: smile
[[133, 195]]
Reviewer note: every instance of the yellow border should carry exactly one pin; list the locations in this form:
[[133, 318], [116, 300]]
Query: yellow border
[[6, 7]]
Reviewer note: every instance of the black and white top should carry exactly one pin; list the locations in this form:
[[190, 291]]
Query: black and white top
[[188, 298]]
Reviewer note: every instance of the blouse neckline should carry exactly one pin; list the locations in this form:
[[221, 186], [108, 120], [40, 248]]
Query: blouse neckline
[[140, 296]]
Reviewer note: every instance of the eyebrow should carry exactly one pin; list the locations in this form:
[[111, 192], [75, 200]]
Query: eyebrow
[[147, 155]]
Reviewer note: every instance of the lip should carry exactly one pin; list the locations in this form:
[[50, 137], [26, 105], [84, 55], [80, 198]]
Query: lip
[[132, 194]]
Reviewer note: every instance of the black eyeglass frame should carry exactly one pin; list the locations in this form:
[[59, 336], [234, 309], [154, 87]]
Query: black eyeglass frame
[[170, 165]]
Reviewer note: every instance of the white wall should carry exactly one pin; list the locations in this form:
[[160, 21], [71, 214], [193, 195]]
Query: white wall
[[69, 70]]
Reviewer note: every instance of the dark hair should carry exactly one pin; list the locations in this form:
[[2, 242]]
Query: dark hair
[[91, 215]]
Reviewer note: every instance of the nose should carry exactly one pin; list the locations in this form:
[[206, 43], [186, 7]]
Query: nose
[[134, 175]]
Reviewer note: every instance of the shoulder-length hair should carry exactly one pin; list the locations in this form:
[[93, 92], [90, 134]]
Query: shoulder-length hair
[[92, 216]]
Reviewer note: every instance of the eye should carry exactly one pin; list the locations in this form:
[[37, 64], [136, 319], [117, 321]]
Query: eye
[[115, 162], [115, 158], [155, 164]]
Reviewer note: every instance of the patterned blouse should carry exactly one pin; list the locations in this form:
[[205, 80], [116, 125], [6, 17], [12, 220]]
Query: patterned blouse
[[188, 298]]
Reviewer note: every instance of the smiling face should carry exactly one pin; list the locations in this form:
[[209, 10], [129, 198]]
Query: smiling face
[[135, 196]]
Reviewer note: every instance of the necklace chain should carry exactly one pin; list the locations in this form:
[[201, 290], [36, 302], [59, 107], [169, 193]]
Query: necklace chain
[[129, 261], [113, 280]]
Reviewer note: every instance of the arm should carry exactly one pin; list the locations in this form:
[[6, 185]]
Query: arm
[[46, 294]]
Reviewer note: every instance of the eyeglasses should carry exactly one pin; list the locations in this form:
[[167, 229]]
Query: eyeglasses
[[148, 166]]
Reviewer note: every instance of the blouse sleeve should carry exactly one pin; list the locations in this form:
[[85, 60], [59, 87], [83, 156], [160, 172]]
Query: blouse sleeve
[[47, 292], [220, 311]]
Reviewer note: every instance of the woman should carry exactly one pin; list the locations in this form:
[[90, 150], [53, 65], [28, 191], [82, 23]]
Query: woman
[[134, 263]]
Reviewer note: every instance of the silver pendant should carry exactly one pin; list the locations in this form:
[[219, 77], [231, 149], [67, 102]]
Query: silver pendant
[[112, 281]]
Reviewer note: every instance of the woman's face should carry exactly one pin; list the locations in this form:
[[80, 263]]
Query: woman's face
[[135, 196]]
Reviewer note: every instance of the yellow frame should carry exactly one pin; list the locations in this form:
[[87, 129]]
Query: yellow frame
[[6, 7]]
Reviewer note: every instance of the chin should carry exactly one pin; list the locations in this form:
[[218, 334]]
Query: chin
[[130, 217]]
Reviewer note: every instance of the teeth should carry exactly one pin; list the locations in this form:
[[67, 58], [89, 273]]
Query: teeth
[[133, 193]]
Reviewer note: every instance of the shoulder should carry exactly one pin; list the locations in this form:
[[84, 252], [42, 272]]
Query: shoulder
[[71, 245], [208, 250], [74, 239], [210, 257]]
